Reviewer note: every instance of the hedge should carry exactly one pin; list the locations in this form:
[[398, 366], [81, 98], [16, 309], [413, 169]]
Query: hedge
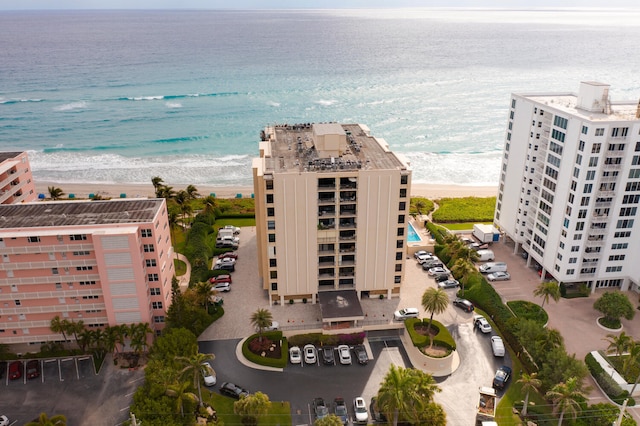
[[443, 338], [606, 382], [275, 336], [319, 339]]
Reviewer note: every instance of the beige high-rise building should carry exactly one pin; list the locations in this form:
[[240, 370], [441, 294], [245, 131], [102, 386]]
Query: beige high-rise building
[[332, 204]]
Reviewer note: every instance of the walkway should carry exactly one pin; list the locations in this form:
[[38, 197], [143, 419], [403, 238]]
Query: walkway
[[183, 280]]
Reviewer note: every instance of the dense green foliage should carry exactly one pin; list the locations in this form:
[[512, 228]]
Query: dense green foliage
[[269, 336], [528, 310], [468, 209], [606, 382], [319, 339], [614, 305], [420, 205], [443, 338]]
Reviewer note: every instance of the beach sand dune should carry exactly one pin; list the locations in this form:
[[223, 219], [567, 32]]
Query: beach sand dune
[[132, 190]]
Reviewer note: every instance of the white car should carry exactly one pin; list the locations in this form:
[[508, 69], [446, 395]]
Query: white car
[[225, 287], [426, 258], [499, 276], [310, 354], [482, 323], [360, 410], [4, 421], [421, 253], [208, 374], [344, 354], [437, 271], [225, 260], [405, 313], [295, 355], [235, 229], [497, 346]]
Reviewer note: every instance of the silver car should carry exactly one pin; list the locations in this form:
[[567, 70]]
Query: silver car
[[499, 276]]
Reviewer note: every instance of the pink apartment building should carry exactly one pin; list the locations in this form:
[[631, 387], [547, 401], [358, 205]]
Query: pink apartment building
[[16, 182], [102, 262]]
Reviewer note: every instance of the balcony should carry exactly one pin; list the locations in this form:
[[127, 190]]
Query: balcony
[[347, 224], [348, 211], [326, 212], [347, 248], [348, 196], [347, 235], [324, 224]]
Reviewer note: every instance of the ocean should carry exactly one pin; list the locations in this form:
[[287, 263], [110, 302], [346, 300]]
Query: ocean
[[122, 96]]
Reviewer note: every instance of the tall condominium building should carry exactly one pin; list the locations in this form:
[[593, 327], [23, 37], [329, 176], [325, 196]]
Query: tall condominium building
[[102, 262], [332, 204], [570, 185], [16, 182]]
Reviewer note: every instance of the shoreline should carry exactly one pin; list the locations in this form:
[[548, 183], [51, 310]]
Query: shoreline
[[139, 190]]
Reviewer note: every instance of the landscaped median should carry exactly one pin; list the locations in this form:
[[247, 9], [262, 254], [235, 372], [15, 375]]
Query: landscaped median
[[608, 379], [271, 353], [416, 343]]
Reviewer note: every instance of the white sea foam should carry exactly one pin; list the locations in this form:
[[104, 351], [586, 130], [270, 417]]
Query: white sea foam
[[173, 104], [71, 106], [146, 98], [273, 104], [326, 102]]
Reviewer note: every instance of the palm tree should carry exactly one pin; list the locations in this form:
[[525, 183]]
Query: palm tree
[[59, 325], [165, 192], [55, 192], [203, 291], [139, 334], [405, 391], [618, 343], [183, 201], [435, 301], [546, 290], [528, 382], [252, 407], [209, 204], [261, 319], [419, 206], [462, 269], [180, 391], [566, 397], [76, 328], [192, 192], [192, 366], [632, 357], [44, 420], [157, 182]]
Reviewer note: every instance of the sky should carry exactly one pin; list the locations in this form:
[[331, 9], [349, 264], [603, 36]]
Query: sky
[[308, 4]]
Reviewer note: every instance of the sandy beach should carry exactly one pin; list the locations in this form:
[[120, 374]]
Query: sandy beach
[[80, 190]]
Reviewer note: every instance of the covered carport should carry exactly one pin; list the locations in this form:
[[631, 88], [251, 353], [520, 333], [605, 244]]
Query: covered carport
[[340, 309]]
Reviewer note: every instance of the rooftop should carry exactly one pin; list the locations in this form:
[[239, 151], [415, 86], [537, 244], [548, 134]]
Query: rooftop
[[8, 155], [78, 213], [327, 147]]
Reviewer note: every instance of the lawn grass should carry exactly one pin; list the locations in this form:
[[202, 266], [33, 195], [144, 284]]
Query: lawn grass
[[462, 226], [280, 413], [180, 267], [239, 222], [466, 209]]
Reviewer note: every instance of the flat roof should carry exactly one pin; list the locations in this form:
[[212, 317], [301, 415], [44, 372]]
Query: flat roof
[[78, 213], [568, 102], [8, 155], [340, 305], [292, 149]]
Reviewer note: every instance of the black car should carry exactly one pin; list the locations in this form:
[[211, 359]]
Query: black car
[[340, 410], [234, 391], [502, 377], [361, 354], [328, 356], [225, 266], [463, 304], [376, 415], [320, 408], [441, 278], [432, 264]]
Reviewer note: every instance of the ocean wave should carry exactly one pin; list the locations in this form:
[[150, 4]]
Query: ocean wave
[[173, 104], [273, 103], [61, 148], [71, 106], [326, 102], [167, 97], [17, 101], [181, 139]]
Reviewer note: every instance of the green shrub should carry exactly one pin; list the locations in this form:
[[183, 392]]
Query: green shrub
[[443, 338], [437, 232], [275, 336], [467, 209], [427, 207], [606, 382], [529, 310]]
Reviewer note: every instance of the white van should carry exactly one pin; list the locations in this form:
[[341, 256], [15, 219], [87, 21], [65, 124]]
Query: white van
[[490, 267], [497, 346], [485, 255]]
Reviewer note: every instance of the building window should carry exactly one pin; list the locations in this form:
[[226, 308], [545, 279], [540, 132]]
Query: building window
[[33, 239], [614, 269], [158, 319], [403, 193], [150, 263], [18, 303], [272, 238], [399, 255], [624, 223], [404, 179], [399, 244], [273, 263], [90, 297], [146, 233], [600, 132], [156, 305], [585, 130], [155, 291], [396, 279], [593, 161], [401, 219], [402, 205], [570, 271], [78, 237], [400, 232], [148, 248], [399, 267], [271, 212], [84, 268], [271, 224], [273, 275], [55, 271], [152, 277]]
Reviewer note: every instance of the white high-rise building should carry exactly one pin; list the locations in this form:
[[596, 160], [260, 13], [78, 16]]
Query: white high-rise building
[[570, 185]]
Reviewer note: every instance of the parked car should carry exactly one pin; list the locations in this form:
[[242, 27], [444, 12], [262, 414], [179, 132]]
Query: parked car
[[229, 254], [4, 420], [463, 304], [224, 278], [438, 271], [449, 284], [344, 354], [340, 410], [225, 266], [502, 377], [232, 390], [320, 408], [376, 415], [226, 260], [499, 276], [310, 354], [208, 374], [482, 324], [360, 409], [497, 346], [405, 313], [33, 369], [235, 229], [422, 259], [224, 287], [422, 253], [328, 357], [15, 370], [295, 355], [226, 244], [361, 354], [435, 263], [440, 278]]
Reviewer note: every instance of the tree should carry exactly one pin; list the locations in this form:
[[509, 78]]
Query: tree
[[405, 392], [546, 290], [180, 391], [44, 420], [192, 192], [209, 204], [330, 420], [435, 301], [528, 382], [566, 396], [157, 182], [75, 328], [55, 192], [203, 291], [192, 366], [420, 204], [252, 407], [618, 343], [261, 319], [614, 305], [632, 357], [139, 334], [166, 192], [59, 325]]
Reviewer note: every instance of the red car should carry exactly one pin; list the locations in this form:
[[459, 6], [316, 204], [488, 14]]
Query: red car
[[33, 369], [228, 254], [15, 370], [221, 279]]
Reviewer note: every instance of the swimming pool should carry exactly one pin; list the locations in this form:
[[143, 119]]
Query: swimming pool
[[412, 235]]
